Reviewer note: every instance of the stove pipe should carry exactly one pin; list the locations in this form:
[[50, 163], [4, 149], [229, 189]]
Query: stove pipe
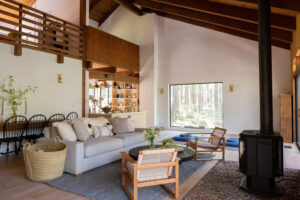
[[265, 67]]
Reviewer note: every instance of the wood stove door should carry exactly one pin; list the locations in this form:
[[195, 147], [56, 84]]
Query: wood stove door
[[297, 104]]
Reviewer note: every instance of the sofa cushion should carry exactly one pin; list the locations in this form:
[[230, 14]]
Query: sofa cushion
[[90, 122], [131, 138], [65, 131], [80, 129], [100, 131], [121, 125], [99, 145]]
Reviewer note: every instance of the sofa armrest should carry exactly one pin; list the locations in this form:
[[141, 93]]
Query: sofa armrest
[[75, 155]]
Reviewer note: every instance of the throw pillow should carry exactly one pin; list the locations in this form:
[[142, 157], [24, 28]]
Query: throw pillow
[[81, 131], [65, 131], [121, 125], [90, 122], [130, 126], [100, 131]]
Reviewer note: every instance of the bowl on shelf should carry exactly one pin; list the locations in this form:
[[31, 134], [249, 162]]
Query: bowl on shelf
[[106, 110]]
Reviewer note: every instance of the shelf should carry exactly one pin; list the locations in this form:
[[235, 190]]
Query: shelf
[[125, 98], [124, 106], [124, 89]]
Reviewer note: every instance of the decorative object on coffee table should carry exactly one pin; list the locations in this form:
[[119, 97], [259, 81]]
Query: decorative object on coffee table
[[45, 161], [150, 134], [151, 169], [184, 153], [168, 143]]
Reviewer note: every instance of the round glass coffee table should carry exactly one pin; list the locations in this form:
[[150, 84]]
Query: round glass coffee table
[[184, 153]]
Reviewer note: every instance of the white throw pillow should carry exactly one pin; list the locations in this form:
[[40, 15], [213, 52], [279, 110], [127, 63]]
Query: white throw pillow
[[65, 131], [100, 131], [90, 122]]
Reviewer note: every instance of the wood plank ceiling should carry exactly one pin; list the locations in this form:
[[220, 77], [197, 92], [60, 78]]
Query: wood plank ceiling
[[235, 17]]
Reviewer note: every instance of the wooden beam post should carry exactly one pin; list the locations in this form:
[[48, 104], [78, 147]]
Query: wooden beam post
[[60, 59], [18, 47], [84, 69]]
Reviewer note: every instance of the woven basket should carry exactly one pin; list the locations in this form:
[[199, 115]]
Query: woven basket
[[46, 165]]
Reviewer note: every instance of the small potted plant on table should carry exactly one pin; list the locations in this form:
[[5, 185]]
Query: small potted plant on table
[[150, 134]]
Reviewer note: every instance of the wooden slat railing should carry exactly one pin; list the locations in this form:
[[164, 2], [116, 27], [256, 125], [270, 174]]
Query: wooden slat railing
[[28, 27]]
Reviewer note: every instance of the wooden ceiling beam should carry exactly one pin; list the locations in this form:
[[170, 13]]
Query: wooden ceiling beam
[[238, 33], [293, 5], [130, 7], [94, 4], [248, 27], [100, 22], [126, 73], [226, 10], [107, 69]]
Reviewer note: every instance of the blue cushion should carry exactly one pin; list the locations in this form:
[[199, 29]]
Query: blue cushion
[[233, 142], [180, 138]]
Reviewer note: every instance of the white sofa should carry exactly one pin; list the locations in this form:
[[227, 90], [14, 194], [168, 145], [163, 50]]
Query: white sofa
[[95, 152]]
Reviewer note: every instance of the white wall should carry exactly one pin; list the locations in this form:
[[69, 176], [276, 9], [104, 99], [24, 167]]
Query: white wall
[[176, 52], [41, 69], [138, 30], [191, 54], [65, 9]]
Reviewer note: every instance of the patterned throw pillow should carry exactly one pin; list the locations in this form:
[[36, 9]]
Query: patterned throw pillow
[[100, 131]]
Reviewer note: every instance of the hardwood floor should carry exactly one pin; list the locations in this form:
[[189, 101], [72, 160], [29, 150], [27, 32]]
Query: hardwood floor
[[15, 186]]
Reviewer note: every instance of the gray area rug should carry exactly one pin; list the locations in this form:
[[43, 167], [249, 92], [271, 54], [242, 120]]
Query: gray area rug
[[104, 183], [222, 183]]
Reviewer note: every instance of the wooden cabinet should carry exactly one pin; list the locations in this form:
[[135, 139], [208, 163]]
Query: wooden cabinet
[[286, 117], [109, 50]]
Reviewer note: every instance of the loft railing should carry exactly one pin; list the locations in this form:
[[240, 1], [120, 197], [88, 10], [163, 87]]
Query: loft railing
[[24, 26]]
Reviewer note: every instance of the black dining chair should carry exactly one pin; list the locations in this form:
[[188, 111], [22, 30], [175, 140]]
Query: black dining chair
[[35, 127], [72, 115], [13, 130], [55, 118]]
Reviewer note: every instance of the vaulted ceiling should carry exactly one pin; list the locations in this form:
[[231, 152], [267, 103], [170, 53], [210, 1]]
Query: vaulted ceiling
[[235, 17]]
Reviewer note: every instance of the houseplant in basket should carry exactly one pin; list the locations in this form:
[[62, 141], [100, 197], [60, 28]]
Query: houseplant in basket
[[150, 134]]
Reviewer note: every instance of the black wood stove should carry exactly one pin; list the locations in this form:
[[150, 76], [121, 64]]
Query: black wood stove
[[261, 151]]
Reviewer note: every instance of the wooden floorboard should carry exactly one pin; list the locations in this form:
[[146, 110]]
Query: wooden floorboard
[[15, 186]]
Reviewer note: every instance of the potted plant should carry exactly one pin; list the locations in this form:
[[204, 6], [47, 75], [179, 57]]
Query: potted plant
[[13, 96], [106, 109], [169, 143], [150, 134]]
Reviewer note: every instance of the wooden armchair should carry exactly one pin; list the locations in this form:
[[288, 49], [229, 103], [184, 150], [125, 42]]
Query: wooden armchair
[[208, 147], [153, 167]]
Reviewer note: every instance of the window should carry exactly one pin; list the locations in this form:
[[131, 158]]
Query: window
[[96, 93], [196, 105]]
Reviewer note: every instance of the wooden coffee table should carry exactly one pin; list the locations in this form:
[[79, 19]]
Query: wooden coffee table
[[185, 154]]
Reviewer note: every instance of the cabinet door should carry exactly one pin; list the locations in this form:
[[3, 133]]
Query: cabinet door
[[286, 117]]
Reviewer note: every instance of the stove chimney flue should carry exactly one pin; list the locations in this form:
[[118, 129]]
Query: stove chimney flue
[[265, 67]]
